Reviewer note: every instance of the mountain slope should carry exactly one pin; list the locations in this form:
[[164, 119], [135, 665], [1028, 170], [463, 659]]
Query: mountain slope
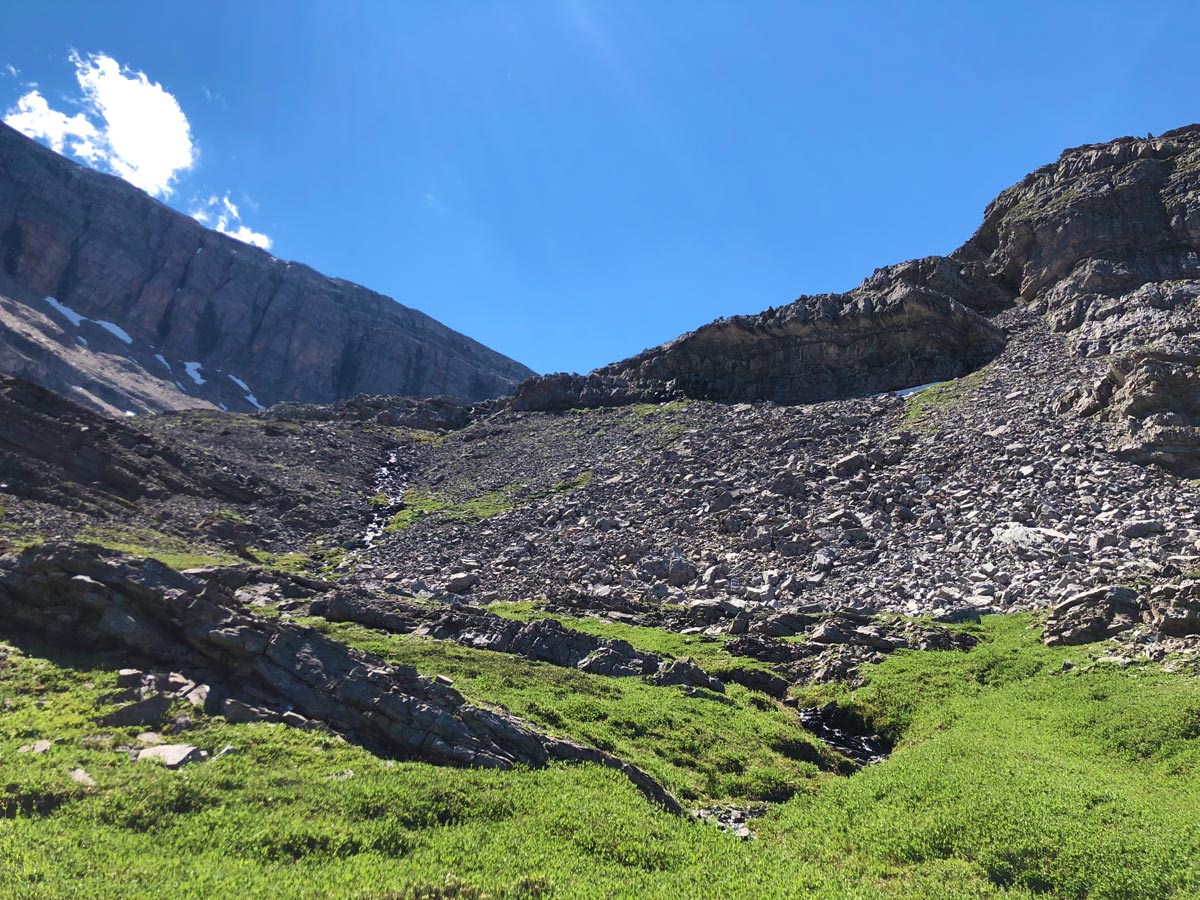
[[944, 644], [255, 329]]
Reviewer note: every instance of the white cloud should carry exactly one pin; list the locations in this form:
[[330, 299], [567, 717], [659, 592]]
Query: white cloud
[[128, 124], [146, 137], [214, 97], [131, 127], [222, 214], [12, 70], [33, 116]]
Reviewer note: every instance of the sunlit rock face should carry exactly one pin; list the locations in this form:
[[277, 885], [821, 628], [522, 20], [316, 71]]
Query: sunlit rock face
[[906, 325], [106, 252]]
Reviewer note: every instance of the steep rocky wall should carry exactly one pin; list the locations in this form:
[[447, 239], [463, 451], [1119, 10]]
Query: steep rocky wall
[[1105, 243], [109, 252], [906, 325], [1081, 238]]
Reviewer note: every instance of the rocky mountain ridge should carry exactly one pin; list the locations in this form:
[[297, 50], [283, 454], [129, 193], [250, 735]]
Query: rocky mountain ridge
[[127, 305], [1105, 243]]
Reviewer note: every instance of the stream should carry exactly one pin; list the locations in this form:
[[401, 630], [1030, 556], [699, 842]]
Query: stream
[[392, 486], [846, 733]]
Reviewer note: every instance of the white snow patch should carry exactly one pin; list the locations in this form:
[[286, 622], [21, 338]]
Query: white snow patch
[[115, 330], [250, 398], [919, 387], [66, 311], [224, 408], [193, 369], [81, 339], [128, 413], [163, 360], [181, 387]]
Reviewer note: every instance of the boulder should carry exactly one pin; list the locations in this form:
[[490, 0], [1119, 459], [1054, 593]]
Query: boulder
[[173, 756], [1092, 615]]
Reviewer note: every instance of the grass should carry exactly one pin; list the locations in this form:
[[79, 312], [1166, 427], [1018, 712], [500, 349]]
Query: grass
[[669, 434], [941, 396], [174, 552], [419, 504], [418, 435], [297, 563], [181, 554], [570, 485], [645, 410], [1012, 779], [740, 746]]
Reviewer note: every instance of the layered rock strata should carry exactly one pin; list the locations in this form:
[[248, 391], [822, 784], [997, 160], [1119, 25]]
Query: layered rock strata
[[150, 310], [542, 640], [906, 325], [82, 597]]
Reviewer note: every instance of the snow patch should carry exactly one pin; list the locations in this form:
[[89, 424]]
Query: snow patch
[[919, 387], [66, 311], [224, 408], [250, 398], [193, 369], [115, 330], [81, 339], [163, 360]]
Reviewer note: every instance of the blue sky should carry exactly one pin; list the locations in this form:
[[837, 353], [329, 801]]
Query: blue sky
[[571, 182]]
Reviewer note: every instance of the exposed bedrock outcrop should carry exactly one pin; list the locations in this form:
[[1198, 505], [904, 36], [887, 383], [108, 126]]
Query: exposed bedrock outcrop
[[109, 252], [1152, 398], [900, 328], [1101, 220], [906, 325], [84, 597], [543, 640], [562, 391], [1172, 610], [1105, 243]]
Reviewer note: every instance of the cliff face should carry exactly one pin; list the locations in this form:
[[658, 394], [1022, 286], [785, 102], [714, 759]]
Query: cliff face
[[902, 327], [108, 253], [1105, 243]]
